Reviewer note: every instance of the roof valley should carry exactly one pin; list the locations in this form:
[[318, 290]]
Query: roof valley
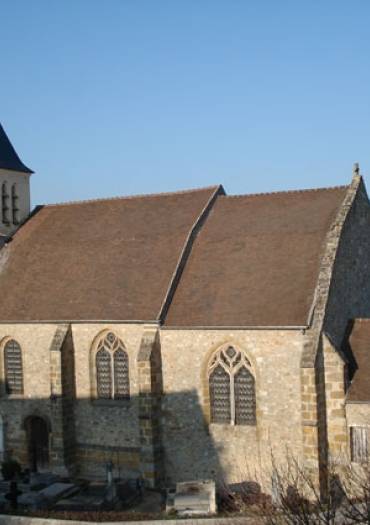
[[188, 245]]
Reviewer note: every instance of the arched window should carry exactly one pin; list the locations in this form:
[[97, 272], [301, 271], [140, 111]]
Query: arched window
[[231, 388], [5, 203], [13, 368], [15, 209], [112, 370]]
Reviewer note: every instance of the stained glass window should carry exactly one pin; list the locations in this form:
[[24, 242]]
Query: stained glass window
[[232, 388], [219, 390], [13, 368], [112, 369], [104, 374], [245, 398]]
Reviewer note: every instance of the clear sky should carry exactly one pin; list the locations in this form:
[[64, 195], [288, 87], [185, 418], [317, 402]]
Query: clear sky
[[115, 97]]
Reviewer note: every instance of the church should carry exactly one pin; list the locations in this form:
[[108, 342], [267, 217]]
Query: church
[[183, 335]]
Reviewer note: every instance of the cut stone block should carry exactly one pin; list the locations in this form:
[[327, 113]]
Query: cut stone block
[[193, 498]]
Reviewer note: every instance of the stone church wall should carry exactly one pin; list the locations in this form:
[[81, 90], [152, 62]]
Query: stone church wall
[[193, 448], [358, 414], [35, 341], [349, 295], [106, 430]]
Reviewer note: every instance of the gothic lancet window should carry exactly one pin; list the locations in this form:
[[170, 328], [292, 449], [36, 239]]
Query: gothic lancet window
[[231, 388], [104, 374], [112, 370], [121, 379], [4, 203], [13, 368], [15, 209]]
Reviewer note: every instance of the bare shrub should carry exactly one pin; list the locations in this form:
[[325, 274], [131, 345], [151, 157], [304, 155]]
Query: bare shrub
[[296, 497], [241, 498], [356, 483]]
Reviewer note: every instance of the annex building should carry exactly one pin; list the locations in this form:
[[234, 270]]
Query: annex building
[[183, 335]]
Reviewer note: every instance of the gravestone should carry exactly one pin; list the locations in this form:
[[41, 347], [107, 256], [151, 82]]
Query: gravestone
[[193, 498]]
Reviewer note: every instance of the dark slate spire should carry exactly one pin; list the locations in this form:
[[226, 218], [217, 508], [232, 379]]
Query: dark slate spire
[[9, 159]]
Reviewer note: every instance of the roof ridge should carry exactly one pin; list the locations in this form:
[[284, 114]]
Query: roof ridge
[[304, 190], [129, 197]]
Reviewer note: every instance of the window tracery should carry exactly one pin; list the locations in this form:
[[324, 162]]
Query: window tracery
[[232, 388], [13, 368], [112, 369]]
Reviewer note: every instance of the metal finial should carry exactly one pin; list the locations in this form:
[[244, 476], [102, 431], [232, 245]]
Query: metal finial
[[356, 169]]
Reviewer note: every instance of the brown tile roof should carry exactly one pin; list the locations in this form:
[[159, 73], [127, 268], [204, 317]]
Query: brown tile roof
[[97, 260], [255, 262], [358, 343]]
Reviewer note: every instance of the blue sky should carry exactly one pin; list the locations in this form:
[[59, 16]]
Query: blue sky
[[115, 97]]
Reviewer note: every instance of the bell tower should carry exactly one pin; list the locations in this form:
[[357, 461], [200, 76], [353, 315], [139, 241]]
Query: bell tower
[[15, 202]]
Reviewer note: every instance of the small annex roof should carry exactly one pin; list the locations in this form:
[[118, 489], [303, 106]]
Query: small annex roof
[[9, 159], [357, 346], [255, 263], [111, 259]]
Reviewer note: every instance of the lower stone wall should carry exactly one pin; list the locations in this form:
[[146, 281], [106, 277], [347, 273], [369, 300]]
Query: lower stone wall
[[15, 413], [190, 445], [35, 344], [92, 461], [105, 428], [195, 448]]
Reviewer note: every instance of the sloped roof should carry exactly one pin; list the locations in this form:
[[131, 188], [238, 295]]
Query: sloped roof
[[9, 159], [100, 260], [256, 260], [358, 343]]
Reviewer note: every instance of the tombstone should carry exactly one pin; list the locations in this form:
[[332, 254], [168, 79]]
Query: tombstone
[[57, 491], [110, 494], [109, 474], [193, 498]]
